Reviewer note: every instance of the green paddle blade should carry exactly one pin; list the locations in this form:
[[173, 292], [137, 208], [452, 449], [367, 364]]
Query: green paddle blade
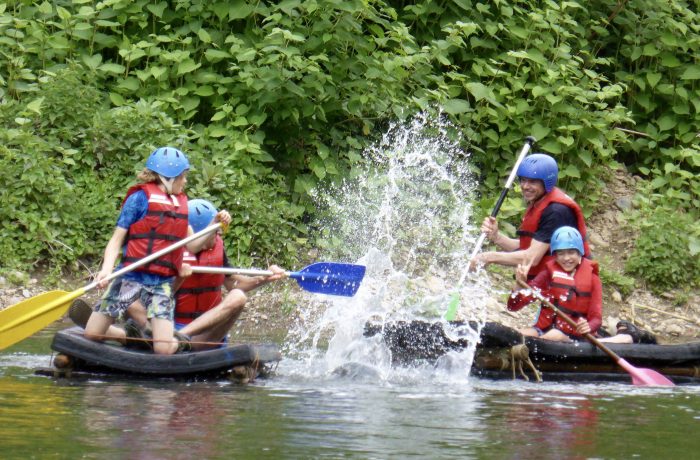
[[451, 312]]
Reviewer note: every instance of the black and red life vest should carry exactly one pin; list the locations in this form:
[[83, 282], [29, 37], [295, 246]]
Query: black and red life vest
[[531, 221], [165, 223], [200, 292], [571, 294]]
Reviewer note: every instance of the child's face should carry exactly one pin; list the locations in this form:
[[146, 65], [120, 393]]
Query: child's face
[[568, 258], [179, 183]]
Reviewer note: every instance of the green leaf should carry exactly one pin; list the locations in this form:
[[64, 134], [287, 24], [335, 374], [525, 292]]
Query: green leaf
[[63, 13], [653, 78], [478, 90], [658, 182], [572, 171], [456, 106], [35, 105], [158, 71], [691, 73], [666, 122], [204, 36], [239, 9], [539, 132], [218, 131], [586, 157], [187, 66], [117, 99], [92, 61], [45, 8], [112, 68], [214, 55], [157, 9], [204, 91]]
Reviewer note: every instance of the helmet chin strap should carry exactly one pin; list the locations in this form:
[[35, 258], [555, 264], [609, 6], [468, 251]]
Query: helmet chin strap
[[167, 183]]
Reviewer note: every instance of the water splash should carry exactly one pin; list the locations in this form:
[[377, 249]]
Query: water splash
[[407, 217]]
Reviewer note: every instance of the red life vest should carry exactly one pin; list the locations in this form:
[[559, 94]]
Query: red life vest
[[200, 292], [165, 223], [531, 221], [571, 294]]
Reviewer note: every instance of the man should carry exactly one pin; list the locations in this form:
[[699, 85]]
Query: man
[[548, 208]]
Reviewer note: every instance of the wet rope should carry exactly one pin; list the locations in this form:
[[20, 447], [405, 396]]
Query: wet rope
[[519, 354]]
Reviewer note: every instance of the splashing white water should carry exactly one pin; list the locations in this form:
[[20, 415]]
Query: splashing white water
[[406, 217]]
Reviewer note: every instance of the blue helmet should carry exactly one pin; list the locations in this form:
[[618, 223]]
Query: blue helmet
[[200, 214], [540, 166], [566, 238], [168, 162]]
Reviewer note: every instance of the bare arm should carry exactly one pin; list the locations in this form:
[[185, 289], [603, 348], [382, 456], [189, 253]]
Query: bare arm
[[111, 254], [490, 228], [529, 256], [248, 283], [197, 245]]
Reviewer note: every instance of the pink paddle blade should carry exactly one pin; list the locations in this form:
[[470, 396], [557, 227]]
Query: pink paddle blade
[[642, 376]]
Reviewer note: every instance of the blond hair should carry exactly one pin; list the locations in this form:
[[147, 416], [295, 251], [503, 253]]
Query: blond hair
[[146, 175]]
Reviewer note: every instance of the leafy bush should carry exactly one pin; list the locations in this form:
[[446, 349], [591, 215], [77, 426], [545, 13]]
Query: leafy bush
[[624, 284], [664, 255], [272, 98]]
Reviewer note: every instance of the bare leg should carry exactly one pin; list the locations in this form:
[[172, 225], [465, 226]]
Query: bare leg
[[556, 335], [137, 312], [163, 341], [619, 338], [529, 332], [100, 327], [213, 325]]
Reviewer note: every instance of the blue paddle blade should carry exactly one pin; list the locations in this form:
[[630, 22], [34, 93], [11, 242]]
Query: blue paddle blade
[[330, 278]]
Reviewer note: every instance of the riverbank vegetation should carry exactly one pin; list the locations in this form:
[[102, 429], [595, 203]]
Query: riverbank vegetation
[[271, 98]]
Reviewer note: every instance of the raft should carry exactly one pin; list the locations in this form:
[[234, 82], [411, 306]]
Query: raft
[[502, 352], [77, 355]]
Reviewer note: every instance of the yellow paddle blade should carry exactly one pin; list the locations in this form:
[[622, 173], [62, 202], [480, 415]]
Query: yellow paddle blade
[[32, 315]]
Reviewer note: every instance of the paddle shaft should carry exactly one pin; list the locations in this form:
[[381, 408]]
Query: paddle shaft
[[59, 301], [571, 322], [233, 271], [529, 141], [155, 255]]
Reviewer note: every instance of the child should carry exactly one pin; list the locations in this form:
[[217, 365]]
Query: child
[[153, 216], [571, 282], [201, 311]]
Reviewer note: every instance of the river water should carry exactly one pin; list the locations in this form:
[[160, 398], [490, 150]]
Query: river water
[[416, 413], [408, 219]]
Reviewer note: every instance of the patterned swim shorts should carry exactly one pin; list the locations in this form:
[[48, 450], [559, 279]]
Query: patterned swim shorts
[[157, 299]]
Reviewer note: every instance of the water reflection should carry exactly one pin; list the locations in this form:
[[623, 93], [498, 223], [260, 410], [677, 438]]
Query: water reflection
[[144, 422], [554, 425]]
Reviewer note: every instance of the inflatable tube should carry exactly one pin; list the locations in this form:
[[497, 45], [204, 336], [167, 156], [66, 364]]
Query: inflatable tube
[[85, 355]]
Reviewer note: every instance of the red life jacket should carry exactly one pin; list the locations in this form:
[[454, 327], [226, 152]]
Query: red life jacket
[[572, 295], [165, 223], [200, 292], [531, 220]]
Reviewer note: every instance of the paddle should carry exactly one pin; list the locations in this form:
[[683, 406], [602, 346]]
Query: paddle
[[529, 141], [322, 277], [640, 376], [21, 320]]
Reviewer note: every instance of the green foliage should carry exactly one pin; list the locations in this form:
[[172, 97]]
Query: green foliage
[[271, 99], [666, 251], [623, 284]]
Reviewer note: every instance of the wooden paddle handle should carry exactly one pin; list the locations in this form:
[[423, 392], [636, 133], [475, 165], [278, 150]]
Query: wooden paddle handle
[[569, 320]]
